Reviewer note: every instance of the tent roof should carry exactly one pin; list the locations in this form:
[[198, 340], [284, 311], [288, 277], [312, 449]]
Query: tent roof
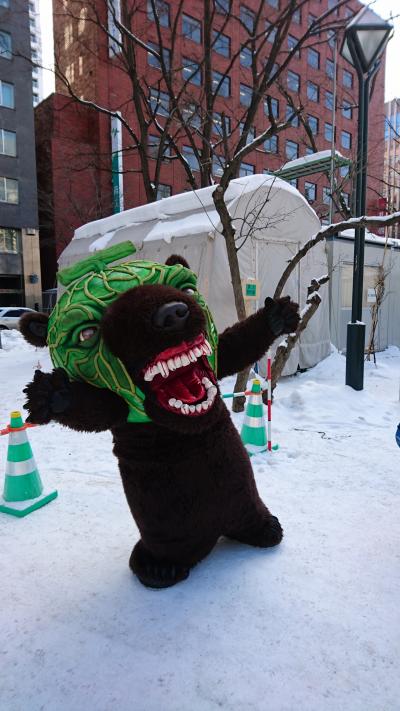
[[185, 214]]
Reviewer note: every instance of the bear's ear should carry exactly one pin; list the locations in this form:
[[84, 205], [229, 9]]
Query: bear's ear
[[176, 259], [33, 326]]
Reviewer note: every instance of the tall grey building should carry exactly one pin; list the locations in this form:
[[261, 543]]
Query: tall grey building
[[20, 280], [36, 51]]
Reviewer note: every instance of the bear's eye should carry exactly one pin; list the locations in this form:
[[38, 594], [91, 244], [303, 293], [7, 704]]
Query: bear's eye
[[188, 291], [87, 333]]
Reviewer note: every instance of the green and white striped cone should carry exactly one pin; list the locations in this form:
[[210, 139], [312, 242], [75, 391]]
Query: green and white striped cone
[[23, 489], [254, 433]]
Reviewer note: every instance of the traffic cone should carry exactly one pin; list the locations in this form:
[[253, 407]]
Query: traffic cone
[[254, 434], [23, 489]]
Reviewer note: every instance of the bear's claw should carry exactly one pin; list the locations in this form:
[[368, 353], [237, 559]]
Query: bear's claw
[[155, 573]]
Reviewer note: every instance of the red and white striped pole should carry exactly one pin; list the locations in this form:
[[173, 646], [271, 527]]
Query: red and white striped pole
[[269, 403]]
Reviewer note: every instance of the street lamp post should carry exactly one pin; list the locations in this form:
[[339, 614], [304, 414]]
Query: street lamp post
[[365, 40]]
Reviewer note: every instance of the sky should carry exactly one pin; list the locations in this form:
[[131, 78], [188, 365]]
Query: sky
[[385, 8]]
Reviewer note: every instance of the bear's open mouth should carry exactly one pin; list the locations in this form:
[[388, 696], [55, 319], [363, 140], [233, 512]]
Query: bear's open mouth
[[181, 378]]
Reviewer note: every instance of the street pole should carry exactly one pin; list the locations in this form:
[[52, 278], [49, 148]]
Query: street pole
[[356, 328]]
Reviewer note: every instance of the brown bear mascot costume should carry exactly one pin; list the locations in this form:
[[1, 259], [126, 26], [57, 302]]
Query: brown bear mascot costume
[[137, 352]]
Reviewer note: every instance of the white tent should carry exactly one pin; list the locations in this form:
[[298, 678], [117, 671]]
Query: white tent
[[272, 221]]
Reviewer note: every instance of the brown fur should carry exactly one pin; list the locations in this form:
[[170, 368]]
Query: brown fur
[[187, 480]]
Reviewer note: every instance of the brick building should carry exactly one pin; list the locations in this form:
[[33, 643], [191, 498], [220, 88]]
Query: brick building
[[392, 160], [91, 64]]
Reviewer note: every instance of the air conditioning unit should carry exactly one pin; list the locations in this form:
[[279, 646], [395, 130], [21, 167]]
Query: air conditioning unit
[[30, 231]]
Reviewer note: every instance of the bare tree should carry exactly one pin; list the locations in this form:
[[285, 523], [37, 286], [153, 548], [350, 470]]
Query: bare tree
[[184, 116]]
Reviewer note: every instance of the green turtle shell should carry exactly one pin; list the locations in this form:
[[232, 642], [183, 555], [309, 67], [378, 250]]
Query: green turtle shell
[[92, 285]]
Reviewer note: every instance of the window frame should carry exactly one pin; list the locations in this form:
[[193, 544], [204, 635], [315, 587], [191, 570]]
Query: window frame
[[5, 51], [292, 143], [190, 19], [6, 189]]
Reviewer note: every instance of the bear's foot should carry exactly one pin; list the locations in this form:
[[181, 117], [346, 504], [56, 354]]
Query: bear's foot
[[154, 573], [264, 533]]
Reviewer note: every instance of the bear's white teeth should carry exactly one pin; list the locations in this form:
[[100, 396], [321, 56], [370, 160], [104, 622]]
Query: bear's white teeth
[[186, 409], [164, 368]]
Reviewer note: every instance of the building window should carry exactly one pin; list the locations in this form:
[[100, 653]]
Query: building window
[[329, 100], [5, 45], [82, 20], [221, 123], [70, 73], [294, 120], [10, 240], [274, 107], [313, 124], [80, 65], [296, 17], [271, 144], [330, 68], [9, 190], [159, 102], [246, 92], [346, 140], [293, 81], [222, 44], [313, 58], [190, 156], [221, 84], [217, 166], [311, 19], [326, 196], [346, 198], [312, 91], [293, 182], [292, 42], [191, 28], [163, 191], [245, 57], [270, 31], [7, 95], [222, 6], [68, 35], [251, 133], [192, 115], [328, 131], [153, 148], [158, 8], [347, 79], [247, 18], [291, 150], [347, 109], [309, 151], [246, 169], [153, 61], [332, 6], [310, 191], [5, 3], [345, 171], [191, 71], [273, 3]]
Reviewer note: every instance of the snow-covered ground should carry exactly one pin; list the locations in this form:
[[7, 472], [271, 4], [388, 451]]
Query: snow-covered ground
[[313, 625]]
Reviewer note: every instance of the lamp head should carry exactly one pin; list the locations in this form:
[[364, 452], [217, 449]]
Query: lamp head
[[365, 39]]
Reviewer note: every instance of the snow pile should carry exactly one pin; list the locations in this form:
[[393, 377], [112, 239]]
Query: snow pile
[[13, 340], [310, 626]]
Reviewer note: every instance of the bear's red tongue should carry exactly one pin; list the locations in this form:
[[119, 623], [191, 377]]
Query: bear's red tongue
[[185, 385]]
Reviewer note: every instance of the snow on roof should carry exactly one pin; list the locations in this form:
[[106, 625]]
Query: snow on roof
[[194, 211], [312, 158], [372, 238]]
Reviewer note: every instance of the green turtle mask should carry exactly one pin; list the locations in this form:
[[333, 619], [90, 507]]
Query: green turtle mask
[[91, 286]]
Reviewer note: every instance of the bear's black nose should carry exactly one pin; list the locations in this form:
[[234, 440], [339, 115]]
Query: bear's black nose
[[171, 316]]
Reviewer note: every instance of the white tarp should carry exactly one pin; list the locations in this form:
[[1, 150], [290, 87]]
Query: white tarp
[[272, 220]]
